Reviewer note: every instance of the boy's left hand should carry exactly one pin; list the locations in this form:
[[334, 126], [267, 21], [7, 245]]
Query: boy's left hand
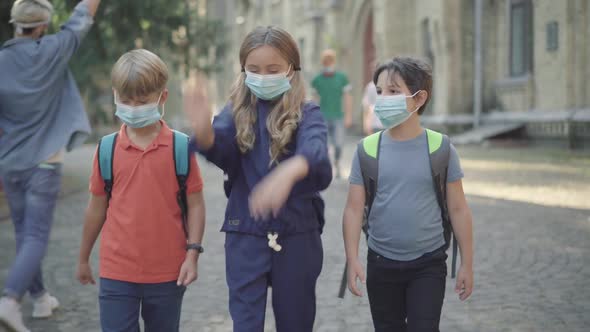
[[188, 272], [464, 286]]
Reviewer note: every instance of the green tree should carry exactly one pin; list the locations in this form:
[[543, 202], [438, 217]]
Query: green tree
[[6, 30], [172, 29]]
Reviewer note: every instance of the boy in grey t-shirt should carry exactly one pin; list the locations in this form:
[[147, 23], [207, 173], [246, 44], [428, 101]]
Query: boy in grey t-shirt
[[405, 221], [406, 267]]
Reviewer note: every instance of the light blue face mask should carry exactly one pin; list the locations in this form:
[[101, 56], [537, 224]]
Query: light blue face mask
[[268, 87], [138, 116], [393, 110]]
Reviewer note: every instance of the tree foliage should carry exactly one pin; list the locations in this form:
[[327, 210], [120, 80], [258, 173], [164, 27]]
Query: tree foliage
[[172, 29]]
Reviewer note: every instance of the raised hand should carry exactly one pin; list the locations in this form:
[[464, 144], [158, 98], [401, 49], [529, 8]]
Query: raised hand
[[197, 108]]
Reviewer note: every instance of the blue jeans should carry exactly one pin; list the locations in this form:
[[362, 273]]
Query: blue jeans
[[31, 196], [336, 137], [120, 303]]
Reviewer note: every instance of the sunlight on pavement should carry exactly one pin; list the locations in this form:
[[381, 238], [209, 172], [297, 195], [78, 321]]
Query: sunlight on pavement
[[542, 195]]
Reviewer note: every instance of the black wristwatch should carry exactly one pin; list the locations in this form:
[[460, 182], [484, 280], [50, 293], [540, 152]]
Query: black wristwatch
[[195, 246]]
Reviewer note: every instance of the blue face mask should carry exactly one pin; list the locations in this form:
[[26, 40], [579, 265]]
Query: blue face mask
[[138, 116], [393, 110], [267, 87]]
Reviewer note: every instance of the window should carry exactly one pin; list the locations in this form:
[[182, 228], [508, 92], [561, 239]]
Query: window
[[521, 37], [552, 36], [427, 40], [302, 50]]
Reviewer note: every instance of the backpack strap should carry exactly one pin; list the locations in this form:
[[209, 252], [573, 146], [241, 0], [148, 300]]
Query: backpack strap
[[439, 149], [368, 155], [181, 154], [106, 152]]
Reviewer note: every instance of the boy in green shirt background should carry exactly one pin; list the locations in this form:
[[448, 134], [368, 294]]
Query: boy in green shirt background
[[332, 88]]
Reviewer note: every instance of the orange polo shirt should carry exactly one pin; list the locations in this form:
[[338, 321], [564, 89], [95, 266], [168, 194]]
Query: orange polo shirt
[[142, 240]]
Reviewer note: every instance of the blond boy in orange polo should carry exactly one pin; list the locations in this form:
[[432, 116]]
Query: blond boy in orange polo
[[147, 255]]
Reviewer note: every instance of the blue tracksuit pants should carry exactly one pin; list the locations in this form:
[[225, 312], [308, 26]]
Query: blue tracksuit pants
[[252, 266]]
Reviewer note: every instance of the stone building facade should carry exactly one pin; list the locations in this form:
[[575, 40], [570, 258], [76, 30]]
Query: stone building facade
[[535, 53]]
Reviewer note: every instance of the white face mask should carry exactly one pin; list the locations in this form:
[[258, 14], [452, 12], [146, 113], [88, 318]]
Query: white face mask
[[139, 116], [393, 110], [268, 87]]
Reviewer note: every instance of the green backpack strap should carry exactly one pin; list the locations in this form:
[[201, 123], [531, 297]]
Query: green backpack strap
[[368, 155], [439, 151], [106, 152], [182, 154]]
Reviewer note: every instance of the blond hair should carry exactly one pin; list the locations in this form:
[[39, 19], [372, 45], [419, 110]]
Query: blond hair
[[26, 14], [284, 118], [328, 57], [139, 73]]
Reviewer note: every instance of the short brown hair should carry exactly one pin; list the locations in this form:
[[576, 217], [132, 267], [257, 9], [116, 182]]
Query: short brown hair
[[139, 73], [416, 73]]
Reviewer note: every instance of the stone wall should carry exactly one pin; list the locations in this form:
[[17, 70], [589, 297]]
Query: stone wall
[[441, 31]]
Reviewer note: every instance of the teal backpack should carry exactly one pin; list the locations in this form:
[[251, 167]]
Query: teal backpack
[[439, 148], [181, 155]]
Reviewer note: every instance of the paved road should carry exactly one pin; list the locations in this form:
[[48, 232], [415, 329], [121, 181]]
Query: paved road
[[532, 268]]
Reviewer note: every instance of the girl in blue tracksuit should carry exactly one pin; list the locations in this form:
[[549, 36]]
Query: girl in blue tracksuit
[[272, 145]]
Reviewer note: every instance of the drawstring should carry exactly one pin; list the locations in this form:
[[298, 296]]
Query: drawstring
[[272, 241]]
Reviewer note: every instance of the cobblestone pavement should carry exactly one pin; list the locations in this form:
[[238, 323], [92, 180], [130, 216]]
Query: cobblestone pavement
[[532, 267]]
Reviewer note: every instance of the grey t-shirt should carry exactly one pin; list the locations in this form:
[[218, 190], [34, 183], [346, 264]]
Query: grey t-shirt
[[405, 221]]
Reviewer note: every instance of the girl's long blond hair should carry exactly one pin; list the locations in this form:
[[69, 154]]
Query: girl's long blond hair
[[284, 118]]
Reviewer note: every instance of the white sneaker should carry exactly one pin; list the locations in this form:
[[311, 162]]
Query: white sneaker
[[43, 307], [10, 316]]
